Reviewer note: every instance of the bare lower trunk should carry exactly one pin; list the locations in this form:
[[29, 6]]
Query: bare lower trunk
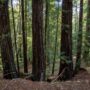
[[38, 65], [9, 69], [66, 41]]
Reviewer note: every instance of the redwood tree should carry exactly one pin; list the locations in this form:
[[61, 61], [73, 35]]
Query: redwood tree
[[38, 64], [9, 69], [66, 64]]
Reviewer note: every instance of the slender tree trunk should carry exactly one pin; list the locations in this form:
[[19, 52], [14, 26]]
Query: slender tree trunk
[[25, 16], [56, 37], [47, 31], [24, 39], [15, 40], [9, 69], [38, 64], [66, 64], [87, 36], [79, 41]]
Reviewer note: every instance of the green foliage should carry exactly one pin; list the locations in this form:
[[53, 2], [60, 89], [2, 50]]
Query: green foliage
[[51, 31], [2, 1]]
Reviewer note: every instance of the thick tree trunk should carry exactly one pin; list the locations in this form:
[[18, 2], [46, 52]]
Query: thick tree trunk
[[66, 64], [9, 69], [38, 65], [79, 41]]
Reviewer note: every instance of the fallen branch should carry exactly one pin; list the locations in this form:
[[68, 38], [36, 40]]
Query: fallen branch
[[59, 75]]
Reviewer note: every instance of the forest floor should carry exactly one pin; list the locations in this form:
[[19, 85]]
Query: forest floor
[[80, 82]]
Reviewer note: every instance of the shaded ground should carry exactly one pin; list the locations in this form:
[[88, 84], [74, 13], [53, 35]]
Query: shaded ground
[[21, 84], [80, 82]]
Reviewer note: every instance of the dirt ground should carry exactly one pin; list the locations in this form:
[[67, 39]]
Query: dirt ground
[[21, 84], [80, 82]]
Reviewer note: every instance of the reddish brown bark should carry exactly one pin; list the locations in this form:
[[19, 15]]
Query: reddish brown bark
[[66, 41], [38, 65]]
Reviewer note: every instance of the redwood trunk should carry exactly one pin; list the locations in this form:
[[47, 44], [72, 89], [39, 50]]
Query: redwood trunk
[[9, 69], [38, 65], [66, 64]]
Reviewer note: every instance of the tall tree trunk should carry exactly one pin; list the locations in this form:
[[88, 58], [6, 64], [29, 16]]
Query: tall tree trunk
[[79, 41], [38, 64], [66, 64], [15, 40], [9, 69], [47, 31], [56, 37], [87, 36], [24, 39]]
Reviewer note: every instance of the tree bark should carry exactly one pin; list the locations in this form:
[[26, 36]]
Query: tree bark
[[9, 69], [38, 64], [66, 63]]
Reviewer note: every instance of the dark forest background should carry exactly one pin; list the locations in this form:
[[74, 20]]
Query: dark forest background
[[44, 38]]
